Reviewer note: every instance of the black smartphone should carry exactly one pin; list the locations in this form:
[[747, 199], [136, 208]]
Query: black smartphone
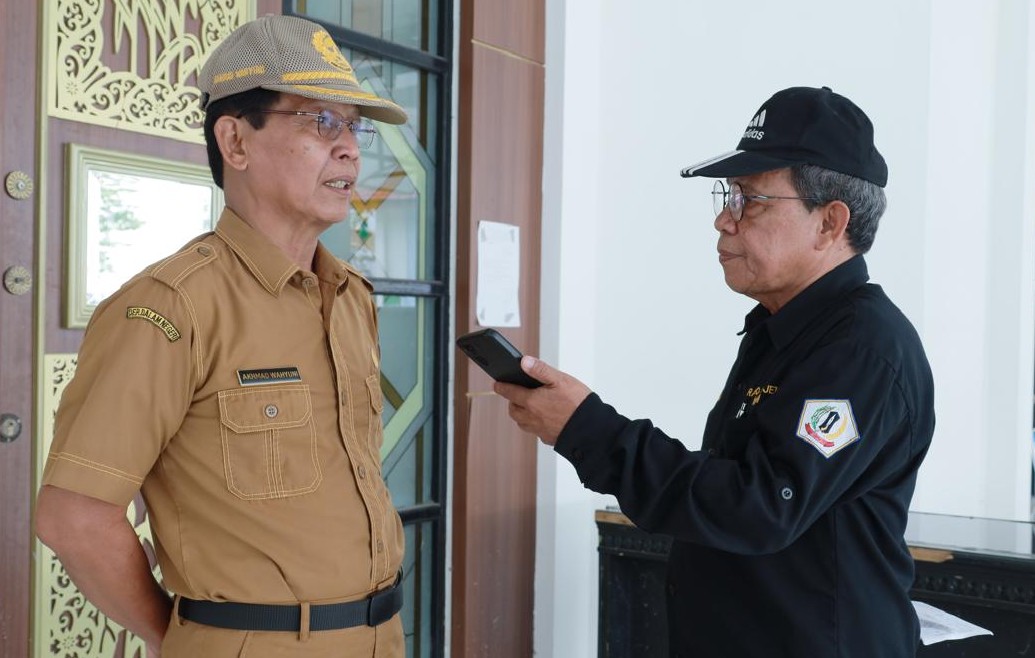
[[494, 353]]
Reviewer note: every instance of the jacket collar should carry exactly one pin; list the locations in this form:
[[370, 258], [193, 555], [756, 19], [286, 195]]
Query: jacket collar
[[267, 263], [809, 304]]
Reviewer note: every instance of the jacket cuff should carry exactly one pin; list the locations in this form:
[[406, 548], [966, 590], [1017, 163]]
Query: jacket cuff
[[589, 433]]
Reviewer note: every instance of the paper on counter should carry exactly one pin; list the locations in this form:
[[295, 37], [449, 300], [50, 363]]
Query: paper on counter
[[499, 273], [937, 625]]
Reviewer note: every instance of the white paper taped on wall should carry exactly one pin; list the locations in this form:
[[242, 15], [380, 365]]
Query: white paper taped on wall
[[499, 275]]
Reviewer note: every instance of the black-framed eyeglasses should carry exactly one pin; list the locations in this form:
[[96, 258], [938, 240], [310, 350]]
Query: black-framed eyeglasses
[[735, 199], [330, 124]]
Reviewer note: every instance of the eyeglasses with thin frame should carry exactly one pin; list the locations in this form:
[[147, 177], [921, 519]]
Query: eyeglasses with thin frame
[[330, 124], [735, 199]]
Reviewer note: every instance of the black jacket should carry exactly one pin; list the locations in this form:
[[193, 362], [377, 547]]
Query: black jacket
[[788, 524]]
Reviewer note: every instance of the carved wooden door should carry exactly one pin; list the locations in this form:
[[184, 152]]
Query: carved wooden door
[[101, 117], [18, 266]]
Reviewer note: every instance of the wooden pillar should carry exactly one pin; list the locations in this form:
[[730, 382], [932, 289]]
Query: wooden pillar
[[500, 154]]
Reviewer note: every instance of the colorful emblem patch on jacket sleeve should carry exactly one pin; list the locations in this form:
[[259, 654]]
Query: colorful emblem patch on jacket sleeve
[[828, 425]]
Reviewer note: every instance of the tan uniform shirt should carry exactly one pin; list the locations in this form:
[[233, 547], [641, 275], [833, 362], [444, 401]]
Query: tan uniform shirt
[[242, 396]]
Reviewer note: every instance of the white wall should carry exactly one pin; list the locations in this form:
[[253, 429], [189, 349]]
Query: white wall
[[639, 310], [574, 170]]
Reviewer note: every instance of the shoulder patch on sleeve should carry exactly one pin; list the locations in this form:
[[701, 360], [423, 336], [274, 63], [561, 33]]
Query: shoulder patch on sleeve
[[174, 269], [828, 425], [155, 318]]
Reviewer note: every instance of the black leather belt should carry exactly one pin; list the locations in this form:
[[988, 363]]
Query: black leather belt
[[372, 611]]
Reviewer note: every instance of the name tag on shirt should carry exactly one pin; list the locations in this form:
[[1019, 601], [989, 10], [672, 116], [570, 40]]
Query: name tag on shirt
[[259, 376]]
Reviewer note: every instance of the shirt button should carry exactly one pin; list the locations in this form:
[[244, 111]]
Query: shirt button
[[786, 493], [271, 411], [380, 546], [362, 470], [205, 250], [308, 282]]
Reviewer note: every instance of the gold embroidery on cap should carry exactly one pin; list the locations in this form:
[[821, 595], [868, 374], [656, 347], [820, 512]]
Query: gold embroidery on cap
[[155, 318], [306, 76], [325, 45], [340, 92], [258, 69]]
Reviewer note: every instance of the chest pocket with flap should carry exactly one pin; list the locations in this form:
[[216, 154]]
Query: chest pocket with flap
[[269, 441]]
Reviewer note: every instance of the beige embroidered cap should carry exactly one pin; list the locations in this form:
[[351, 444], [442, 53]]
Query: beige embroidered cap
[[293, 56]]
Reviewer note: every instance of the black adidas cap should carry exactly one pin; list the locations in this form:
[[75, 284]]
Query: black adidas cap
[[802, 125]]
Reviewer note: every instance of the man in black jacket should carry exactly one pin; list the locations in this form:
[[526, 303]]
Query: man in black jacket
[[788, 523]]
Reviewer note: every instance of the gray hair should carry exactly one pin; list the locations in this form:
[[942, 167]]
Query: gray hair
[[865, 200]]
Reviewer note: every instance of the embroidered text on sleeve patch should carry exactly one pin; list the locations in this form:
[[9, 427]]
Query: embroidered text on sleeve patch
[[828, 425], [155, 318]]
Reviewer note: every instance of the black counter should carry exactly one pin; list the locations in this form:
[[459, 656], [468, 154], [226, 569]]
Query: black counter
[[981, 570]]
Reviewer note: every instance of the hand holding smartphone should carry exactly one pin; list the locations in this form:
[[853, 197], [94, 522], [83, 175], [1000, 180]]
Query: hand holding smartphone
[[496, 356]]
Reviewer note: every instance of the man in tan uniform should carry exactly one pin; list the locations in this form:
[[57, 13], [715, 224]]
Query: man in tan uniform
[[236, 385]]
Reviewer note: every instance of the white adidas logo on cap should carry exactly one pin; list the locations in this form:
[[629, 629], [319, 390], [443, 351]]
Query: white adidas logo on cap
[[754, 127]]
